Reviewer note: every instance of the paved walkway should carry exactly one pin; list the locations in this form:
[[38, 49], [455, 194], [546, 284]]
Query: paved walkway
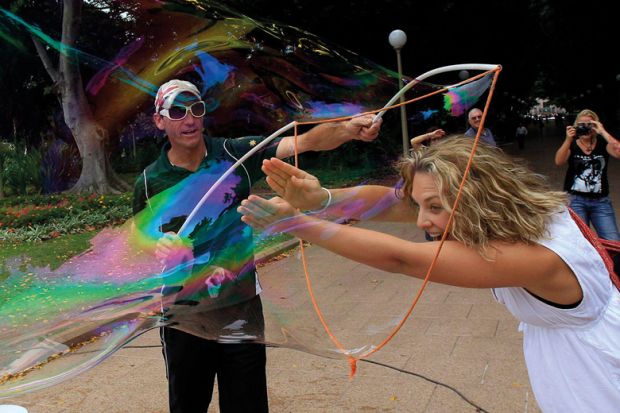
[[456, 337]]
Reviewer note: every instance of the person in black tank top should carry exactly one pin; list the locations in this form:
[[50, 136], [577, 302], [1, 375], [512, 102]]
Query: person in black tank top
[[587, 150]]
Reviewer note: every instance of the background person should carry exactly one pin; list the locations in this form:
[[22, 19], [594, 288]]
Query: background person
[[562, 293], [192, 362], [474, 118], [520, 135], [586, 180]]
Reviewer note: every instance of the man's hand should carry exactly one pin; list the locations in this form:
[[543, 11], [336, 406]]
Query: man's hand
[[362, 127], [171, 250], [328, 136], [218, 280], [296, 186]]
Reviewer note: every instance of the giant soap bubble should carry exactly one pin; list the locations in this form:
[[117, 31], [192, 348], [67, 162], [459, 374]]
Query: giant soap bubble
[[256, 77]]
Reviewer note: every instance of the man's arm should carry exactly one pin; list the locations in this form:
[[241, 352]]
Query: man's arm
[[327, 136]]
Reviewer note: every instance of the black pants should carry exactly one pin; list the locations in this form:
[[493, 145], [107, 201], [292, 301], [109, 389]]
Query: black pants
[[193, 362], [521, 141]]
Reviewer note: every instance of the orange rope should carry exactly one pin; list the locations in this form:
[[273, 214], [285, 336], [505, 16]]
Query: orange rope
[[436, 92], [353, 360], [317, 310]]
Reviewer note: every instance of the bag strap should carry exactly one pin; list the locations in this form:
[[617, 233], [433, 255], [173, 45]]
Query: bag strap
[[600, 245]]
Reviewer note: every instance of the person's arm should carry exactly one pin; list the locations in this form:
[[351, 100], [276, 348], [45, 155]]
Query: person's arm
[[304, 191], [563, 153], [327, 136], [613, 145], [543, 273], [418, 140]]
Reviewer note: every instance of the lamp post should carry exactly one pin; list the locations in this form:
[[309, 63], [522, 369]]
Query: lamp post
[[397, 39]]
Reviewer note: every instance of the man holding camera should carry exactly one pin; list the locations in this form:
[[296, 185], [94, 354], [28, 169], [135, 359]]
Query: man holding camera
[[586, 178]]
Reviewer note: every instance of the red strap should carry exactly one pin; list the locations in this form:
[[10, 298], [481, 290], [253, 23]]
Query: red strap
[[601, 246], [610, 245]]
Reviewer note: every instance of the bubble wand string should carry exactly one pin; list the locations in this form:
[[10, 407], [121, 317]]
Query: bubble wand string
[[351, 358], [489, 68]]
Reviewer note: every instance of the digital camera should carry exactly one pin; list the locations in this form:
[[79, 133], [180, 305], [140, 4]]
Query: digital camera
[[583, 129]]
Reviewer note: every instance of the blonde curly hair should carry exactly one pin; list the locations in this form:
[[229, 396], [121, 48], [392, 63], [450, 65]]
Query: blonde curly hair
[[502, 200]]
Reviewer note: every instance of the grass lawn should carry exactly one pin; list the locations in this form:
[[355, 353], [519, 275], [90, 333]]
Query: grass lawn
[[52, 252]]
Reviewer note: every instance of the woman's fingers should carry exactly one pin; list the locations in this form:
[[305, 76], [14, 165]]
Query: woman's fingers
[[258, 210], [261, 213], [255, 206], [286, 168], [276, 178], [276, 185]]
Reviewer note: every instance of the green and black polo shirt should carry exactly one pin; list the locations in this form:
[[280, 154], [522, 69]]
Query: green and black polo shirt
[[166, 195]]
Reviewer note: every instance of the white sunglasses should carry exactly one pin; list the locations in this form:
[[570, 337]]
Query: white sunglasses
[[198, 110]]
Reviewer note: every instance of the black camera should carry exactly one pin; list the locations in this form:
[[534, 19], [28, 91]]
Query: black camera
[[583, 129]]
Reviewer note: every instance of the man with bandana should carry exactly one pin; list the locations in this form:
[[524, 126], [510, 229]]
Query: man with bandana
[[219, 247]]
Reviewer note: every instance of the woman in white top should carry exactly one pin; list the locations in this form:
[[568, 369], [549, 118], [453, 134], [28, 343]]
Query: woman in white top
[[510, 233]]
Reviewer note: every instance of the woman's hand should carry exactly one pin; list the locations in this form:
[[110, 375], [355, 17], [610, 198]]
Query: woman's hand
[[571, 132], [273, 215], [297, 187], [597, 127]]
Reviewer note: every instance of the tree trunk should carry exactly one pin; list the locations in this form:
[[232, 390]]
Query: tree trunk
[[96, 175], [1, 178]]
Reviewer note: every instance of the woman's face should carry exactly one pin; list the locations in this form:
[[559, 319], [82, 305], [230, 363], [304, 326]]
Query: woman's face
[[432, 217], [586, 120]]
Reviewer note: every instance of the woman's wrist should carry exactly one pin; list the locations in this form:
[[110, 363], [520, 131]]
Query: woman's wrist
[[325, 203]]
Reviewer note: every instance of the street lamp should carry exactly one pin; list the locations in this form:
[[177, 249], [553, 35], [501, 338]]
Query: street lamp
[[397, 40]]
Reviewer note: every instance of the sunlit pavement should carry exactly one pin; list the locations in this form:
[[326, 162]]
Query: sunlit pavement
[[457, 337]]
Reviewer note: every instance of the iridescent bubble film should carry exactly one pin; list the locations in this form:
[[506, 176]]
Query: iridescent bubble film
[[459, 100], [255, 77]]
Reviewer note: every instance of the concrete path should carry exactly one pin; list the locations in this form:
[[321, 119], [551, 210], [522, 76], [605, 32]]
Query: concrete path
[[455, 337]]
